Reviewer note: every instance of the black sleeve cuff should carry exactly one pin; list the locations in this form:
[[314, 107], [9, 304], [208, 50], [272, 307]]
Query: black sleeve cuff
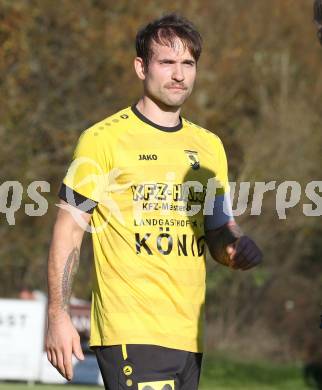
[[77, 200]]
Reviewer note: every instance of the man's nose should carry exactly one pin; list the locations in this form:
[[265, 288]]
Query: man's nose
[[177, 73]]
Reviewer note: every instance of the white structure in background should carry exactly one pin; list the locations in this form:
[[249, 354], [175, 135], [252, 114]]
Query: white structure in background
[[22, 355], [22, 328]]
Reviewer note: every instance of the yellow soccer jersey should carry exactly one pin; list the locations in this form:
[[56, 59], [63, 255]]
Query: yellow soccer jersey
[[146, 187]]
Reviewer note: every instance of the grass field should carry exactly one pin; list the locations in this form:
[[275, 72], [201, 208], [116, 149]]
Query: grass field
[[218, 374], [222, 373]]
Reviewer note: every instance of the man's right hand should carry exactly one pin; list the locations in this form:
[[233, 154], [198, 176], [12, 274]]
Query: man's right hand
[[62, 341]]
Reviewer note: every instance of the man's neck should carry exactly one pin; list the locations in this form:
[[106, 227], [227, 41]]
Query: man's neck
[[159, 114]]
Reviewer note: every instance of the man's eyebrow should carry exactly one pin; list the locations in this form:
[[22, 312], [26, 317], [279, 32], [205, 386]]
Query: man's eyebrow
[[190, 61], [166, 59]]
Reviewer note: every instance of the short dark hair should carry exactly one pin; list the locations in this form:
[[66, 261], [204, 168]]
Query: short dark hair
[[164, 31]]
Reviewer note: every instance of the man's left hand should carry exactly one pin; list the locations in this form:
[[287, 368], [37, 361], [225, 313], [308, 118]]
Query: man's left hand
[[244, 254]]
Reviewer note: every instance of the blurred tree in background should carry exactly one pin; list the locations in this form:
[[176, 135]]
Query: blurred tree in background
[[65, 65]]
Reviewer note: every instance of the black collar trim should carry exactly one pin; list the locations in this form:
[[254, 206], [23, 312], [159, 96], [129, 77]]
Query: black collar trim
[[146, 120]]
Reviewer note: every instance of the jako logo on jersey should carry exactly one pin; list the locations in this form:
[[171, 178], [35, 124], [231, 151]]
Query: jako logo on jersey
[[148, 157], [193, 158]]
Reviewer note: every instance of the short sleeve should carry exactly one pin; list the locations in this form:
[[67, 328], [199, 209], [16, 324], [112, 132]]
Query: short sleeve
[[84, 183], [219, 203], [222, 170]]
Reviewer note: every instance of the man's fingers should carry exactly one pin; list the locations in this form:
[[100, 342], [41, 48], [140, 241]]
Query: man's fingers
[[59, 345], [49, 355], [232, 248], [252, 264], [60, 363], [67, 356], [77, 349], [230, 251], [247, 254], [240, 260], [53, 360], [253, 261], [242, 244]]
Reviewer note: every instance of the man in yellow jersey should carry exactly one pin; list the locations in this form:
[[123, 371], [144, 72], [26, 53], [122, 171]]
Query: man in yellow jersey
[[152, 188]]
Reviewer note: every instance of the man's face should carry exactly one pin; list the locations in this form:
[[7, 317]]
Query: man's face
[[170, 75]]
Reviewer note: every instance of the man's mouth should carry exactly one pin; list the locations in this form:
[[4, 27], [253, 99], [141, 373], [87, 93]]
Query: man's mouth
[[177, 88]]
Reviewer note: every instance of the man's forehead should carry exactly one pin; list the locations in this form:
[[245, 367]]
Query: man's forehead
[[173, 49]]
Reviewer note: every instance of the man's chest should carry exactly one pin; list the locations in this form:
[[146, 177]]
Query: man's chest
[[147, 161]]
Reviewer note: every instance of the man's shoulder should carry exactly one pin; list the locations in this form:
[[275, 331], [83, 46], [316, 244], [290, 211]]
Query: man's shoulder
[[202, 131], [110, 126], [118, 120]]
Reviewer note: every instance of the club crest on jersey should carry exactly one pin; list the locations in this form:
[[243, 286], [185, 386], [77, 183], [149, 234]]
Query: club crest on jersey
[[193, 158]]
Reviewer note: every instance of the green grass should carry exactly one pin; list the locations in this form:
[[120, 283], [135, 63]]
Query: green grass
[[219, 373], [222, 373]]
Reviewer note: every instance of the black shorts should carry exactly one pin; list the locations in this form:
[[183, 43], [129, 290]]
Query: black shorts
[[148, 367]]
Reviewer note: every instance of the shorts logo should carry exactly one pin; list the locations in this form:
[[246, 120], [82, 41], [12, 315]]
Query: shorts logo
[[158, 385], [193, 158], [127, 370]]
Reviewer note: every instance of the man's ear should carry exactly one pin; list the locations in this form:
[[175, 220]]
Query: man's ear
[[139, 68]]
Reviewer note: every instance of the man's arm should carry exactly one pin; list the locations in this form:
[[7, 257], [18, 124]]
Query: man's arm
[[62, 338], [228, 246]]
